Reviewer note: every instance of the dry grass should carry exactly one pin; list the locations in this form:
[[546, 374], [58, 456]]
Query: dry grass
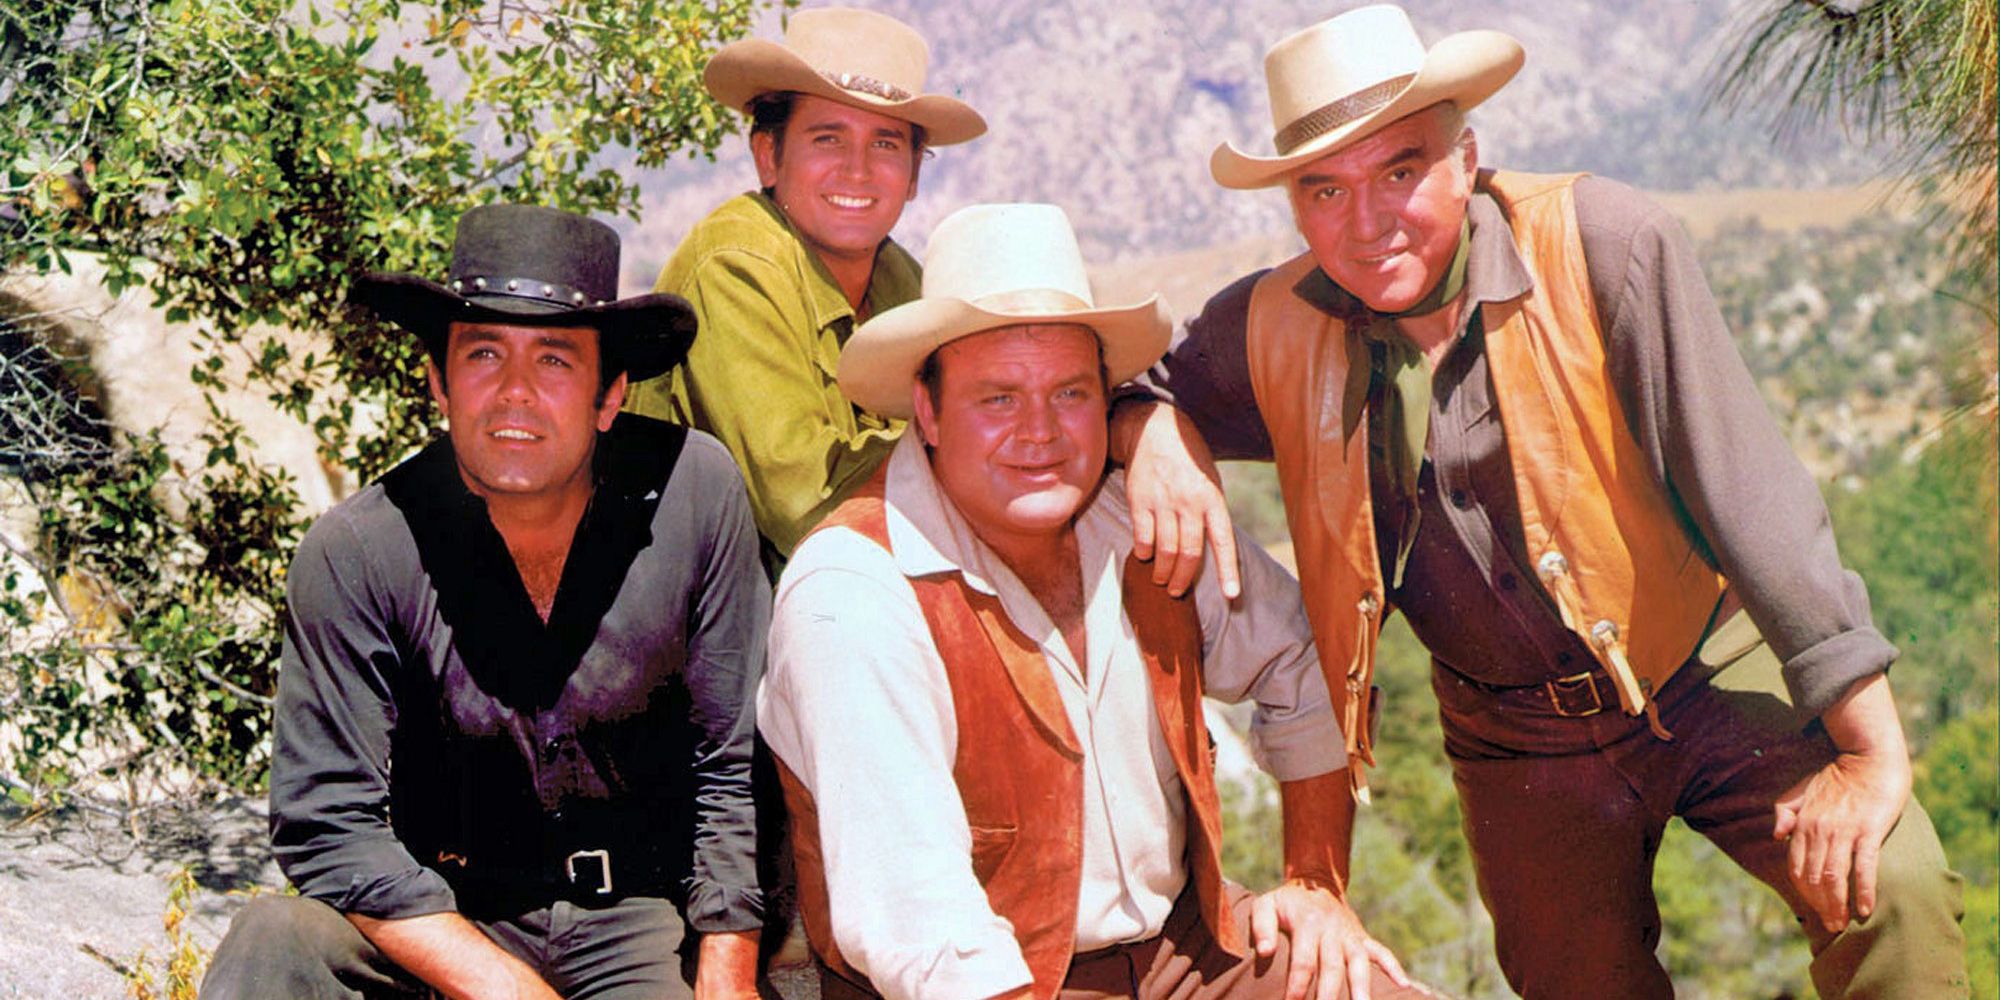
[[1785, 209], [175, 974]]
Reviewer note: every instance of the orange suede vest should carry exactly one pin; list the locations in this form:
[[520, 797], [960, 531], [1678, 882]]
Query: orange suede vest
[[1019, 766], [1600, 530]]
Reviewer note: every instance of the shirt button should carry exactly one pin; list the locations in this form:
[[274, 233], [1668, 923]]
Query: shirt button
[[1460, 499], [1564, 658], [1506, 581]]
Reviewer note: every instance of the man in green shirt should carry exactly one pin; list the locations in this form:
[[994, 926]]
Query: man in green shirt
[[780, 277]]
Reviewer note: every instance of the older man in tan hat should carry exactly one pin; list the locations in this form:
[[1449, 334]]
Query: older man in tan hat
[[839, 126], [1506, 405], [989, 720]]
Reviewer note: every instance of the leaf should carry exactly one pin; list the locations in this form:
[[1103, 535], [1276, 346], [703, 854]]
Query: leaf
[[259, 162]]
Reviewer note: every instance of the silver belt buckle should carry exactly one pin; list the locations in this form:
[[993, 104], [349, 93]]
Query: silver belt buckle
[[603, 859]]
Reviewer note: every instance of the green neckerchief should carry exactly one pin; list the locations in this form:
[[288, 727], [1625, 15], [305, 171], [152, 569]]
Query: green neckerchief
[[1382, 354]]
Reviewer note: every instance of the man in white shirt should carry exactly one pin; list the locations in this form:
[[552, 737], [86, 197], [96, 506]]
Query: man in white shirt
[[989, 724]]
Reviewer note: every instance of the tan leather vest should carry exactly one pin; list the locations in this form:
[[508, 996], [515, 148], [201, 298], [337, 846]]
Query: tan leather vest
[[1019, 767], [1603, 536]]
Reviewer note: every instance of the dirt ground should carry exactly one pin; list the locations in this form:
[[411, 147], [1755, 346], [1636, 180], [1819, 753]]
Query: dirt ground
[[79, 894], [81, 898]]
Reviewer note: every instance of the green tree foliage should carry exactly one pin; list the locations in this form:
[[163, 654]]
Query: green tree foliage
[[1919, 72], [1916, 535], [1723, 933], [244, 160], [1411, 873], [1923, 74], [1958, 779]]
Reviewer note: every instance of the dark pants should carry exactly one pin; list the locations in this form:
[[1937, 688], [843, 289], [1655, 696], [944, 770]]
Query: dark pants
[[1182, 962], [302, 949], [1564, 817]]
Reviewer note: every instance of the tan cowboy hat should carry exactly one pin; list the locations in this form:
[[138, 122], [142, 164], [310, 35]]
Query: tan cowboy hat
[[991, 266], [1346, 77], [857, 57]]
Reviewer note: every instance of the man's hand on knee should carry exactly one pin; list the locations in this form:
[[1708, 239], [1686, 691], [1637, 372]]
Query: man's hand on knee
[[1328, 944], [1837, 818]]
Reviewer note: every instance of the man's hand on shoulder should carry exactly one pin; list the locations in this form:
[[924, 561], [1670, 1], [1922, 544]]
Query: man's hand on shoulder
[[1329, 945], [1837, 818], [1175, 494]]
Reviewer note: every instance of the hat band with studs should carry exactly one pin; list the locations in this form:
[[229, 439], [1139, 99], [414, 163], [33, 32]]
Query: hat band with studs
[[1328, 117], [524, 288], [866, 85]]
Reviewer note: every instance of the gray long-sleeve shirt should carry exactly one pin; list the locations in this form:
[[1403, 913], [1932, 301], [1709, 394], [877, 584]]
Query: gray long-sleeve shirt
[[1469, 590], [436, 743]]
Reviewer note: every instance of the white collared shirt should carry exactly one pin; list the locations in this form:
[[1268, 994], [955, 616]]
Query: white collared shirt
[[857, 703]]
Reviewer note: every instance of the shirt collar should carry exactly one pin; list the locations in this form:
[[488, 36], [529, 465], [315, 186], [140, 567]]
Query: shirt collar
[[1494, 271], [896, 279], [510, 651], [927, 534]]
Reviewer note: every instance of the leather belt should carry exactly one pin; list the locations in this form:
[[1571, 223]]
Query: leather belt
[[591, 877], [1576, 696]]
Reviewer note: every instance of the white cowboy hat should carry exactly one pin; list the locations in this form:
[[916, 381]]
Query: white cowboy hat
[[857, 57], [991, 266], [1347, 76]]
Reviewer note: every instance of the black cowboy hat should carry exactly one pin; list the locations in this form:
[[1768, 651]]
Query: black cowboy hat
[[535, 266]]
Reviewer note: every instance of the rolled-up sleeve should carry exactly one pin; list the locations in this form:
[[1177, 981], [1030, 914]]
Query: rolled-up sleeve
[[732, 616], [330, 825], [857, 705], [1260, 647], [1696, 410]]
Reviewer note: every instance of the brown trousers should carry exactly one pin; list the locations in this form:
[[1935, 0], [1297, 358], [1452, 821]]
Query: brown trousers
[[1182, 963], [1564, 816]]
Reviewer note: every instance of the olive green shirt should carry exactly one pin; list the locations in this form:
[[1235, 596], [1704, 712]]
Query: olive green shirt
[[760, 375]]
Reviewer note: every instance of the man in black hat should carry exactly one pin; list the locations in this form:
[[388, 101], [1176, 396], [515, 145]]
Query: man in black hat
[[514, 715]]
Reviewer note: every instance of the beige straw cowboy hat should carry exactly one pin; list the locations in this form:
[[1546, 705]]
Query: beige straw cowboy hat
[[860, 58], [1346, 77], [991, 266]]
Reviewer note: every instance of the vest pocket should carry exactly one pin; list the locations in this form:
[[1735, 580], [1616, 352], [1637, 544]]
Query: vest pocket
[[990, 847]]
